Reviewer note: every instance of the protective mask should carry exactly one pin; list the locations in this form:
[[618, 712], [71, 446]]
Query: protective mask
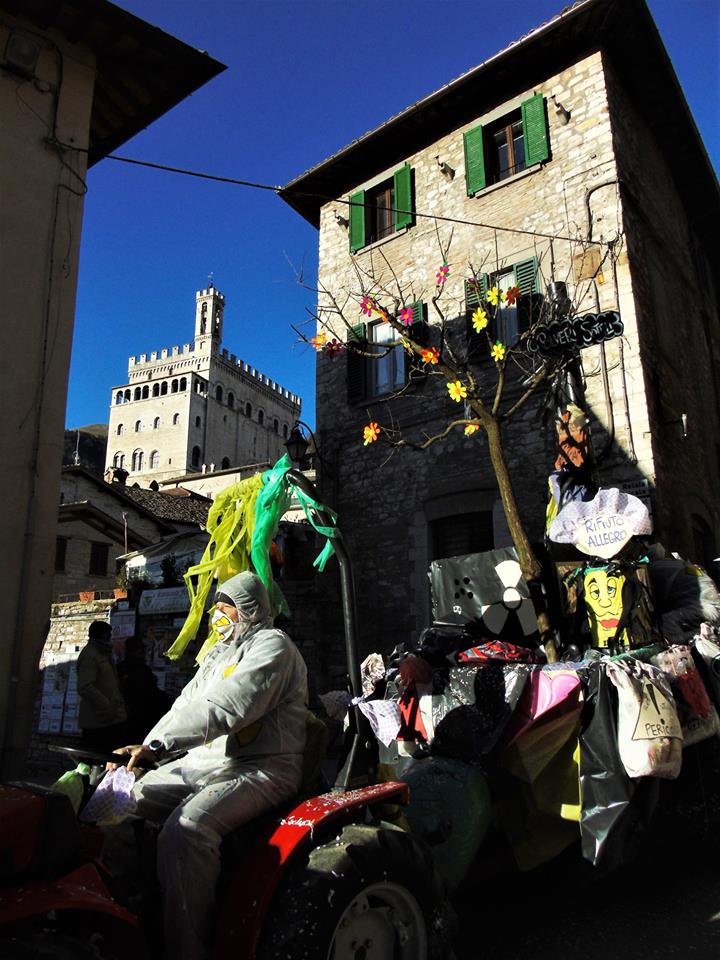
[[223, 625]]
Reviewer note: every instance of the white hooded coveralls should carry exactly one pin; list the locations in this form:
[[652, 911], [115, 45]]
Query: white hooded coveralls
[[242, 721]]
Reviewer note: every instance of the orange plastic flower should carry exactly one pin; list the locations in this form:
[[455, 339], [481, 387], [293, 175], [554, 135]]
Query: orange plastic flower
[[457, 390], [511, 295], [431, 355], [471, 428], [319, 341], [371, 433]]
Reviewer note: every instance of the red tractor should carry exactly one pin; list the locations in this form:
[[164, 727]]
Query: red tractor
[[328, 876]]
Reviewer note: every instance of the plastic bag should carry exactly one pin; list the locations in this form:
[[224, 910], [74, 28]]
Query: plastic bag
[[698, 716], [649, 731], [113, 800], [707, 645], [614, 807]]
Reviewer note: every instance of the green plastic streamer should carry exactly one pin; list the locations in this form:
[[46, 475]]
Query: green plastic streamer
[[311, 508], [272, 502]]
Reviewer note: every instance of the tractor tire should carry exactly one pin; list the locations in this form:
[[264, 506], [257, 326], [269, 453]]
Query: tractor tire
[[371, 894], [46, 945]]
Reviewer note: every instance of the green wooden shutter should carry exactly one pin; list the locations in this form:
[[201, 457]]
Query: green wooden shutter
[[357, 220], [356, 365], [529, 303], [526, 276], [535, 132], [403, 212], [419, 331], [475, 291], [474, 160]]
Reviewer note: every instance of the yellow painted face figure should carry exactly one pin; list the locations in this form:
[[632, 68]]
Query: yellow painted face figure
[[603, 599]]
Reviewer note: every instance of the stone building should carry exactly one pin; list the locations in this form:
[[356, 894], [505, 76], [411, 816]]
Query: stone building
[[196, 408], [571, 155]]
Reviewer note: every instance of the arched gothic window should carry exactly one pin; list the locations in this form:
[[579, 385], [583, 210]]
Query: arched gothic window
[[119, 460], [174, 387], [127, 396], [156, 423], [285, 431], [261, 417], [198, 421], [183, 384], [120, 429], [248, 409], [176, 419], [163, 388], [219, 393], [145, 392], [156, 390], [119, 397], [137, 394], [195, 456], [138, 426], [276, 425], [137, 460], [154, 460], [231, 401], [225, 465]]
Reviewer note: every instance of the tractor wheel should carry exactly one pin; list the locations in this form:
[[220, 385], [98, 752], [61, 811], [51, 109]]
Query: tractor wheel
[[371, 894], [46, 945]]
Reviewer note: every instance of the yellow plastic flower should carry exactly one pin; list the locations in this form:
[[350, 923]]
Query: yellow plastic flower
[[371, 433], [431, 355], [319, 341], [498, 351], [479, 320], [494, 296], [457, 391], [471, 428]]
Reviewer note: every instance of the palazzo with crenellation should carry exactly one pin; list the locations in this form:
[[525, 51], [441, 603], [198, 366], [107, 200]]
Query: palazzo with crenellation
[[196, 409]]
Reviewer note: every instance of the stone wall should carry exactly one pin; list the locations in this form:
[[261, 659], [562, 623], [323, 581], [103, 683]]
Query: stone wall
[[389, 502]]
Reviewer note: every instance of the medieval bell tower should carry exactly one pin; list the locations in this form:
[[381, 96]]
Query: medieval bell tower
[[209, 306]]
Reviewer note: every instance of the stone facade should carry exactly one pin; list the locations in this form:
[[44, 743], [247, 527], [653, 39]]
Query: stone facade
[[573, 214], [196, 408]]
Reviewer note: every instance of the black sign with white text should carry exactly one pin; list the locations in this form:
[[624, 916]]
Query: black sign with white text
[[567, 334]]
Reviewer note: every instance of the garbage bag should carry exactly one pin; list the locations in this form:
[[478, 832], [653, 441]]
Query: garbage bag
[[698, 717], [707, 647], [614, 807], [649, 731]]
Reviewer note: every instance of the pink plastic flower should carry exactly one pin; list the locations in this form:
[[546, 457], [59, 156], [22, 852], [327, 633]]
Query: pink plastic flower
[[367, 305], [406, 316], [442, 274], [334, 348]]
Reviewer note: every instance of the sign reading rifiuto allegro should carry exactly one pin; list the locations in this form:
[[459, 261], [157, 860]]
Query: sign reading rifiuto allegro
[[566, 334]]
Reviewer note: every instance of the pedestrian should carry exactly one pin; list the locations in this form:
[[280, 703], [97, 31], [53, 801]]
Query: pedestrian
[[242, 720], [102, 708], [145, 702]]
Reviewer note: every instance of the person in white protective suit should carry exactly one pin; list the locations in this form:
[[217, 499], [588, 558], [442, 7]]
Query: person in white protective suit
[[242, 721]]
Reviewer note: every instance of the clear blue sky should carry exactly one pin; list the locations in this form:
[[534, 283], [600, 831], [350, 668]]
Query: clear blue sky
[[304, 78]]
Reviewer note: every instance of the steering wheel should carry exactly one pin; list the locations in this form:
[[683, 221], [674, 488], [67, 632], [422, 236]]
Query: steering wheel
[[96, 758]]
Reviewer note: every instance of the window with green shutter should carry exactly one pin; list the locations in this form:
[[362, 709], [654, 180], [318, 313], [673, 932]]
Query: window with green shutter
[[506, 146], [475, 291], [382, 210]]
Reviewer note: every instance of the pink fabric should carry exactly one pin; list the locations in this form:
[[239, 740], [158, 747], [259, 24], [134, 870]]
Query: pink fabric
[[546, 690]]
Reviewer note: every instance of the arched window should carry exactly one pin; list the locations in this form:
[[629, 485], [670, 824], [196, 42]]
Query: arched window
[[137, 460], [145, 392], [156, 423], [119, 460], [138, 426], [176, 419], [183, 384], [231, 401], [127, 396], [137, 394], [276, 425], [156, 390], [225, 465], [198, 421], [163, 388], [120, 429], [154, 460], [119, 397], [218, 393], [285, 432], [261, 417], [248, 409], [195, 456], [174, 387]]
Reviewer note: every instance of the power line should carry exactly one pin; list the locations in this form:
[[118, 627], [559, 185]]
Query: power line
[[348, 203]]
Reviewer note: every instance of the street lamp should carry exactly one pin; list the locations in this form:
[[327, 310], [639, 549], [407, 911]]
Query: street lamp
[[296, 444]]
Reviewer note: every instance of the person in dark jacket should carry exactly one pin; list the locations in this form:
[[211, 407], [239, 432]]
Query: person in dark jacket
[[102, 708], [145, 702]]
